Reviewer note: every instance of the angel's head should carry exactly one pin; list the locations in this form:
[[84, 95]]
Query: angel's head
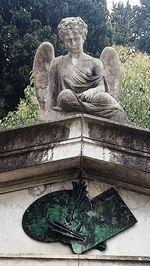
[[72, 31]]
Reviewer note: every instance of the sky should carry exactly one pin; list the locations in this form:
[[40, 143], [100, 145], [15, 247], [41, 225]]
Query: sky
[[132, 2]]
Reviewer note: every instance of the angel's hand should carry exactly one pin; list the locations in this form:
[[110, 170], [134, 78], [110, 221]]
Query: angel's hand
[[87, 95], [90, 93]]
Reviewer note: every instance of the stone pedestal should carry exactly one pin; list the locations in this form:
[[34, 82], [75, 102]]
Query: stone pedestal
[[46, 157]]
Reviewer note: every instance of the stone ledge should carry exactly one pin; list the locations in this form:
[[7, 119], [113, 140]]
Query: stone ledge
[[104, 148], [77, 257]]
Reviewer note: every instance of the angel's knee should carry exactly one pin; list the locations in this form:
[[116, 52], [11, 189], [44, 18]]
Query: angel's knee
[[66, 98], [104, 98]]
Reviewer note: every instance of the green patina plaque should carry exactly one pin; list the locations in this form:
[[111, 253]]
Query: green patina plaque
[[71, 217]]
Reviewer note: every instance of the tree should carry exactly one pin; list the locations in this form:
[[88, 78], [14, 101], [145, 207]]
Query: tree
[[24, 24], [143, 26], [123, 23], [131, 25], [20, 35]]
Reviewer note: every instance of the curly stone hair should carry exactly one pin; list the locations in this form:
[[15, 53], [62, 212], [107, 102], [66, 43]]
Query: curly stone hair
[[72, 23]]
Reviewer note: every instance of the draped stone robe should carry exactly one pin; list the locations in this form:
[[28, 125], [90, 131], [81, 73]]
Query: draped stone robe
[[68, 82]]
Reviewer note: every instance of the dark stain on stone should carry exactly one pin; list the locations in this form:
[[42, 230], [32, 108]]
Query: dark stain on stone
[[128, 137], [30, 136]]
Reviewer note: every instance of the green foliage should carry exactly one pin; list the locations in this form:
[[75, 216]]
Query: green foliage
[[27, 111], [131, 25], [135, 98], [123, 22], [143, 26], [20, 35]]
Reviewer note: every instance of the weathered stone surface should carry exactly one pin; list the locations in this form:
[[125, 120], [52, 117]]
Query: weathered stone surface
[[113, 71], [41, 66], [46, 157], [76, 81], [16, 244], [103, 148], [75, 262], [38, 134]]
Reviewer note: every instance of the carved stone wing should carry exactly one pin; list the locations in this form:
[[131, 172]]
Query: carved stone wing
[[112, 71], [41, 68]]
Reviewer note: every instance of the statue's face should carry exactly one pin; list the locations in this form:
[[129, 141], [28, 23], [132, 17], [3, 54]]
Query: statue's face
[[73, 41]]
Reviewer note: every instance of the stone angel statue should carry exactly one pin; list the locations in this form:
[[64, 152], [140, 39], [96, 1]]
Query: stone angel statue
[[77, 82]]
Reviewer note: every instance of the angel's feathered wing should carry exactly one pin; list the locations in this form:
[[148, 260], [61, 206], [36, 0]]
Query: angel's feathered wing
[[41, 69], [112, 70]]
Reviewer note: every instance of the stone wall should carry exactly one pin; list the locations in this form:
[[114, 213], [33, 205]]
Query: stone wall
[[131, 244], [46, 157]]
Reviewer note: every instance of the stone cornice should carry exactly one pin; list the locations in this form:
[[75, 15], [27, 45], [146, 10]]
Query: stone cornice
[[47, 151]]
